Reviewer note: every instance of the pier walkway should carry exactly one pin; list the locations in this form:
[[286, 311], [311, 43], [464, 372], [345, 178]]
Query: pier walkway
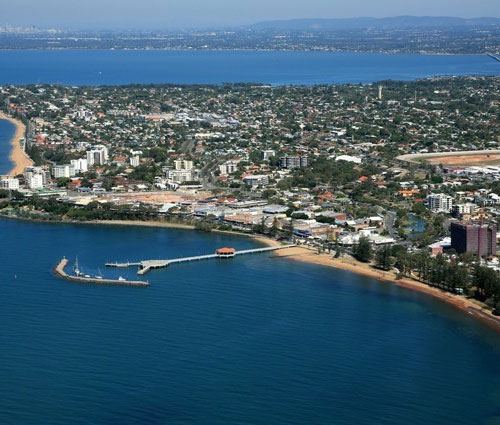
[[147, 265]]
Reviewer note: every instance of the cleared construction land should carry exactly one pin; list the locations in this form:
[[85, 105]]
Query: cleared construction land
[[464, 158]]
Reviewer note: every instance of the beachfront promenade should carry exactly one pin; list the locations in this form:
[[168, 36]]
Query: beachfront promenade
[[147, 265]]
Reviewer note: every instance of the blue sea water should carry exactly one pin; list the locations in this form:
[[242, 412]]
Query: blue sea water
[[7, 131], [108, 67], [252, 340]]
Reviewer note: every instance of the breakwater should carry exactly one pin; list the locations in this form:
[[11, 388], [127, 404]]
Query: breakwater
[[59, 271]]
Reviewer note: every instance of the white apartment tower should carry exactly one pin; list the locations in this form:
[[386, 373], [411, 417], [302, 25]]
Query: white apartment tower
[[9, 184], [182, 164], [134, 161], [80, 165], [35, 177], [440, 202], [98, 155]]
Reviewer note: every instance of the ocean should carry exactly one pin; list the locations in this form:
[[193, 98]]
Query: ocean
[[113, 67], [7, 132], [254, 339]]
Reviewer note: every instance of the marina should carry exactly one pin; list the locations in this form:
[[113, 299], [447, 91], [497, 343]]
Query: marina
[[147, 265], [59, 271]]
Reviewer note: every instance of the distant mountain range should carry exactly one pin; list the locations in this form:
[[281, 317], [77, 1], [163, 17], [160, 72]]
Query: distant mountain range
[[375, 23]]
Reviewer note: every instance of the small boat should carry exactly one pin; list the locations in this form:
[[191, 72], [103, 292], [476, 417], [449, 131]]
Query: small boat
[[76, 270], [122, 279]]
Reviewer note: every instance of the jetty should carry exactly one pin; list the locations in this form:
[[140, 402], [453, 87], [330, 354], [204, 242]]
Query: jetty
[[147, 265], [59, 271]]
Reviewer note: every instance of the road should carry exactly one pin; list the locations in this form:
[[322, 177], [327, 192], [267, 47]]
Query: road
[[389, 222], [187, 146], [206, 174]]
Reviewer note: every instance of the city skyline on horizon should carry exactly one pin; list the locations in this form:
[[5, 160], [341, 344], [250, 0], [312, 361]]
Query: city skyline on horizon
[[192, 14]]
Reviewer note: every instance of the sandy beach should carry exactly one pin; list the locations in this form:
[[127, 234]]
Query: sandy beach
[[467, 305], [310, 255], [17, 155]]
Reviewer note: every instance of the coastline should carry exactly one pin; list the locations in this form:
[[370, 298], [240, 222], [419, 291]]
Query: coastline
[[17, 155], [166, 225], [309, 255], [467, 305]]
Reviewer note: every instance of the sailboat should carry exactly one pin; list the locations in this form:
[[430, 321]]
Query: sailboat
[[99, 276], [76, 270]]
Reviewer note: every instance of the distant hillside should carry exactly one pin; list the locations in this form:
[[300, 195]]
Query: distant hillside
[[375, 23]]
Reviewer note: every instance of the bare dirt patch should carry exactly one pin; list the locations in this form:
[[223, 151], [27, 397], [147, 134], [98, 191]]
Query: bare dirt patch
[[466, 160]]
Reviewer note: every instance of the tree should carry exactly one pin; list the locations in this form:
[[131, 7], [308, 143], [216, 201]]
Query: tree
[[383, 258], [338, 250], [487, 283], [274, 228], [203, 226], [62, 181], [363, 250], [261, 227]]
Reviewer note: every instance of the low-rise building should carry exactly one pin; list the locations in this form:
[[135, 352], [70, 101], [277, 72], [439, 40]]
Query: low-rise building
[[61, 171], [256, 180], [9, 184], [228, 167], [461, 209], [268, 154]]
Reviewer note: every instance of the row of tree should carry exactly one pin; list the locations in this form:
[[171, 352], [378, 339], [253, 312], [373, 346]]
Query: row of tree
[[458, 274]]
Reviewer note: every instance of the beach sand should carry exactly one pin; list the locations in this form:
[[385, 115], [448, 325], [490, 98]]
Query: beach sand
[[467, 305], [17, 155], [310, 255]]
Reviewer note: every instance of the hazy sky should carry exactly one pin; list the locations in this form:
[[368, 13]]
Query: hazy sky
[[165, 14]]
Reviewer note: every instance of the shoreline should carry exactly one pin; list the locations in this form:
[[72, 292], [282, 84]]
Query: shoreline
[[166, 225], [17, 155], [310, 256], [349, 264], [242, 49]]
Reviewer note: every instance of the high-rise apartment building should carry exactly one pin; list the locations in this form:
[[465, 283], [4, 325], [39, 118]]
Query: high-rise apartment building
[[294, 162], [474, 237], [439, 202], [98, 155]]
